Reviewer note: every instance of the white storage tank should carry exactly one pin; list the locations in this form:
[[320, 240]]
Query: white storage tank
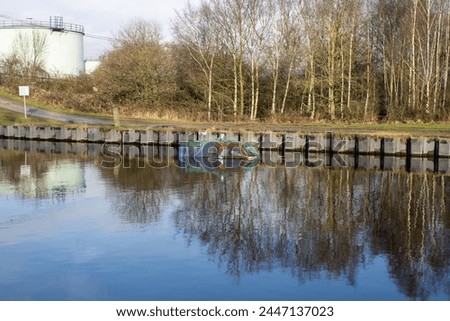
[[58, 45], [91, 65]]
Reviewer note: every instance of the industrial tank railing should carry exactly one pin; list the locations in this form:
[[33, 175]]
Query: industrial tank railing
[[55, 23]]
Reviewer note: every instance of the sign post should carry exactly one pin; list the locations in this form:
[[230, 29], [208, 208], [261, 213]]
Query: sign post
[[116, 117], [24, 91]]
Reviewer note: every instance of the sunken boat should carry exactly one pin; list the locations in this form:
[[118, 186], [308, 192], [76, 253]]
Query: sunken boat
[[221, 156], [220, 149]]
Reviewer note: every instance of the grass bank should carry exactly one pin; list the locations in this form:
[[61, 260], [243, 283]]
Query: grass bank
[[12, 118], [440, 129]]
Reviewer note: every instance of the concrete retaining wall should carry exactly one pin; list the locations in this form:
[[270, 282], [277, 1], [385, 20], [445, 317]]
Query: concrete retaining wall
[[161, 155], [147, 137], [369, 145], [271, 141], [167, 138]]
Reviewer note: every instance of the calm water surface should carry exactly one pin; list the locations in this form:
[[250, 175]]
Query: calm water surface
[[72, 229]]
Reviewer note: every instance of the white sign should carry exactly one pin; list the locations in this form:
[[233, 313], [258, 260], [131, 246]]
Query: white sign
[[24, 91], [25, 170]]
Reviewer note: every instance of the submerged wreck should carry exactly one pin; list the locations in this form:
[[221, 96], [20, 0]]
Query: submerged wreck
[[221, 148], [219, 154]]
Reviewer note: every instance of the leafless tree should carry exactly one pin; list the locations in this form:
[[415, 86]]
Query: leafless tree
[[139, 71], [196, 30], [27, 58]]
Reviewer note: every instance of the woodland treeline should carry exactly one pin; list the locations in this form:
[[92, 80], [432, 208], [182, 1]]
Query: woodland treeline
[[351, 60], [334, 59]]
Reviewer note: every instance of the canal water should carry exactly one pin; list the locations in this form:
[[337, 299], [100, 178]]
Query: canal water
[[76, 224]]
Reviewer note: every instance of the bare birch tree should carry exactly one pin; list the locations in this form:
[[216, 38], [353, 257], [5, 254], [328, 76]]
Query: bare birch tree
[[195, 29], [29, 51]]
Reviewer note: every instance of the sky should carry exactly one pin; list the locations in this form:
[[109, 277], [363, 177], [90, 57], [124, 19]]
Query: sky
[[99, 17]]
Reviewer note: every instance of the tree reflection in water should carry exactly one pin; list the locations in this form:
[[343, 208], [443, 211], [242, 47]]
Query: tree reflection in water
[[275, 218], [411, 225], [314, 222]]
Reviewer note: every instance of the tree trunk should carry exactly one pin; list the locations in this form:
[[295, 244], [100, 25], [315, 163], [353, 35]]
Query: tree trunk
[[235, 97], [350, 65], [311, 96], [331, 74], [275, 82], [286, 89]]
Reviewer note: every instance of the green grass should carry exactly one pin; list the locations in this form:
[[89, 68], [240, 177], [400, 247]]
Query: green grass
[[52, 108], [395, 127], [12, 118]]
